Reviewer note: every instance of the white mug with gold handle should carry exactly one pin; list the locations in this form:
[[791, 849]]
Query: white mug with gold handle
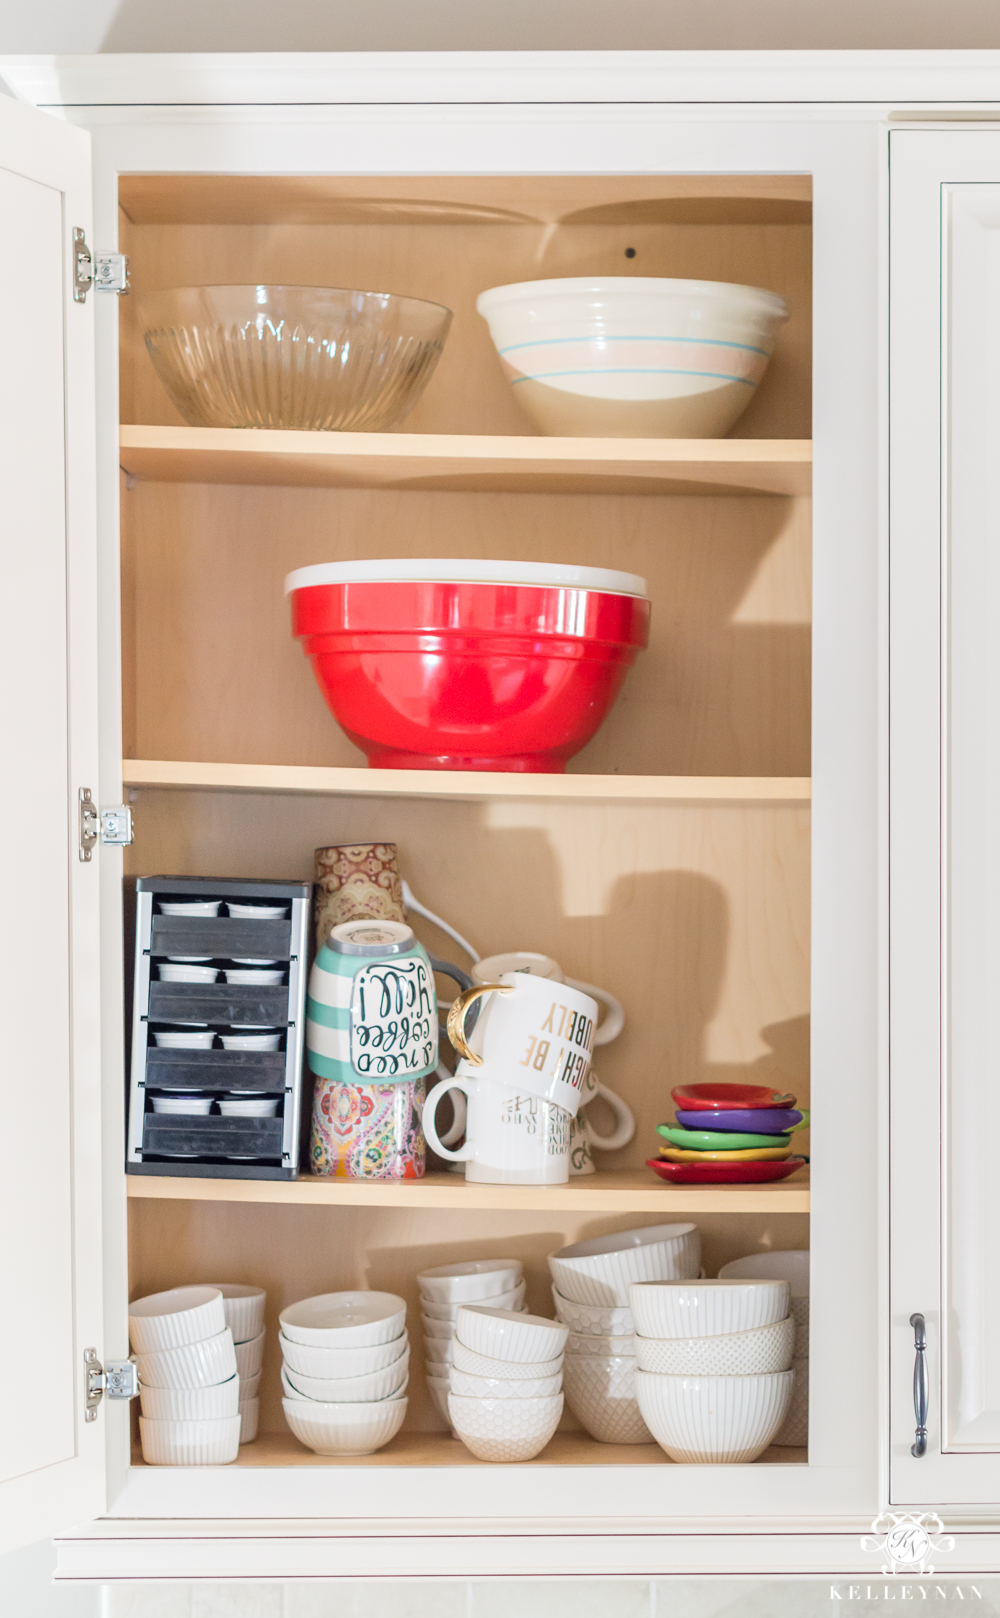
[[543, 966], [531, 1032]]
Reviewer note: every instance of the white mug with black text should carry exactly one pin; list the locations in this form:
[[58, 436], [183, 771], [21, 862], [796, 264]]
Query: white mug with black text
[[512, 1137]]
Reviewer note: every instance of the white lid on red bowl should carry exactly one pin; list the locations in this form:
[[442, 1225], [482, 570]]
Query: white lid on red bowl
[[463, 570]]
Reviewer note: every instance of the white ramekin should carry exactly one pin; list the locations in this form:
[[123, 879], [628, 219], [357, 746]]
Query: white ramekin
[[504, 1335], [476, 1364], [244, 1309], [190, 1443], [196, 1365], [758, 1352], [250, 1356], [249, 1417], [345, 1319], [505, 1429], [336, 1362], [714, 1419], [496, 1300], [191, 1404], [706, 1308], [331, 1429], [601, 1271], [471, 1282], [601, 1394]]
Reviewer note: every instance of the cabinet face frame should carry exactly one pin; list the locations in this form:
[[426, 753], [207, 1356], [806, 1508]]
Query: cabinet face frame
[[843, 156]]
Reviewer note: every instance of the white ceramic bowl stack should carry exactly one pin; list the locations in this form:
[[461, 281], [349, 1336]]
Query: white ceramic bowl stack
[[792, 1267], [244, 1310], [506, 1382], [189, 1387], [591, 1295], [346, 1359], [496, 1282], [714, 1379]]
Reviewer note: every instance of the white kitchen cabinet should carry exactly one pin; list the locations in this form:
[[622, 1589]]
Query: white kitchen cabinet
[[714, 855]]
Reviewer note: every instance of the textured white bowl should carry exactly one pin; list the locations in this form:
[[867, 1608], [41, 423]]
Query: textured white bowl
[[330, 1362], [468, 1386], [244, 1309], [800, 1314], [791, 1266], [714, 1419], [331, 1429], [505, 1429], [250, 1356], [600, 1347], [794, 1429], [191, 1404], [196, 1365], [249, 1387], [171, 1319], [467, 1359], [345, 1319], [601, 1394], [706, 1308], [438, 1330], [471, 1282], [439, 1390], [249, 1417], [601, 1271], [496, 1300], [344, 1390], [741, 1353], [506, 1336], [593, 1318], [190, 1443]]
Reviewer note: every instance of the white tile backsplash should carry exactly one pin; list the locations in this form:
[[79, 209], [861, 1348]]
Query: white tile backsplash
[[244, 1600], [377, 1598], [146, 1599], [559, 1598]]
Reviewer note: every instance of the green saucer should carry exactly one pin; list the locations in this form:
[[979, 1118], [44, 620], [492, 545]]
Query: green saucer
[[713, 1140]]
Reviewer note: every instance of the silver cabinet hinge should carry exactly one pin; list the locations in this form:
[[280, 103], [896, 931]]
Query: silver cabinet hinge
[[119, 1379], [108, 272], [110, 825]]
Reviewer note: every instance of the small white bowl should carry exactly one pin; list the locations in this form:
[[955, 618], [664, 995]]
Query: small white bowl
[[191, 1404], [244, 1309], [592, 1318], [505, 1429], [171, 1319], [191, 1039], [335, 1362], [714, 1419], [504, 1335], [470, 1282], [468, 1386], [601, 1271], [345, 1319], [758, 1352], [190, 907], [467, 1359], [706, 1308], [182, 1106], [600, 1347], [439, 1393], [498, 1300], [601, 1394], [190, 1443], [252, 911], [250, 1355], [187, 972], [250, 1042], [792, 1266], [352, 1429], [253, 974], [249, 1418], [263, 1107], [438, 1330], [195, 1365], [367, 1389]]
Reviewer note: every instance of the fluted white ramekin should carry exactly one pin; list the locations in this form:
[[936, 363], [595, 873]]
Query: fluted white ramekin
[[507, 1336], [332, 1429], [341, 1361], [601, 1394], [471, 1282], [244, 1307], [467, 1359], [592, 1319], [714, 1419], [706, 1308], [601, 1271], [196, 1365], [250, 1356], [191, 1404], [496, 1300], [190, 1443], [344, 1319], [505, 1429], [172, 1319], [468, 1386], [740, 1353], [345, 1390], [249, 1417]]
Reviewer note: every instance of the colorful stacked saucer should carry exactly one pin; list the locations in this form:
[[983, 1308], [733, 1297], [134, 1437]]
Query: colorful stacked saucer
[[729, 1133]]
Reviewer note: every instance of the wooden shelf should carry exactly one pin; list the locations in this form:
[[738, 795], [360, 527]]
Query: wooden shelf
[[440, 1449], [479, 786], [468, 462], [628, 1191]]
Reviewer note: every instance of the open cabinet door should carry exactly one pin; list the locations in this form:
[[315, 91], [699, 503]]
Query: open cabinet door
[[51, 1455]]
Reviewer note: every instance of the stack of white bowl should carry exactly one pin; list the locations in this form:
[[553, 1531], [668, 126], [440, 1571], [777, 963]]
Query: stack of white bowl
[[189, 1387], [244, 1310], [495, 1282], [714, 1381], [591, 1295], [793, 1267], [346, 1359], [506, 1382]]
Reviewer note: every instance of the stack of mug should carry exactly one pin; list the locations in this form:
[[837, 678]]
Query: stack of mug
[[506, 1382], [494, 1282], [189, 1386]]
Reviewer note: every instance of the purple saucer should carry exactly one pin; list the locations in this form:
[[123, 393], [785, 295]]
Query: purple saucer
[[763, 1120]]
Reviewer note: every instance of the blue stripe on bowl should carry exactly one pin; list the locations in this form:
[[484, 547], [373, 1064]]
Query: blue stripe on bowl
[[705, 342], [634, 370]]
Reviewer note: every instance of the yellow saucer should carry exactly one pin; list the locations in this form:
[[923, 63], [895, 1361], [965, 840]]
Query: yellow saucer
[[754, 1154]]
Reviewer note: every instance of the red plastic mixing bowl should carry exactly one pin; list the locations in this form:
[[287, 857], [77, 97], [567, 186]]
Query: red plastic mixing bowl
[[426, 674]]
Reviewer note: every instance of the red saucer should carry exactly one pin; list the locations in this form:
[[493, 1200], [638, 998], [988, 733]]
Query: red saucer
[[728, 1097], [723, 1173]]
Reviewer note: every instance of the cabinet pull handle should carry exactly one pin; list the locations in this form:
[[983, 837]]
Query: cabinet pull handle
[[920, 1385]]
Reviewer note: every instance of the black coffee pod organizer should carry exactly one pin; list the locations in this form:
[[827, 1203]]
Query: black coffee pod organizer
[[208, 1143]]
